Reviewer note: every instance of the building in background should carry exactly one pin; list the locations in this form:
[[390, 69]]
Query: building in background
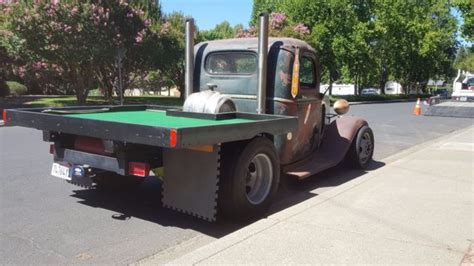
[[393, 87]]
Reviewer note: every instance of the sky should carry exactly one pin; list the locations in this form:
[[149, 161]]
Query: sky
[[208, 13]]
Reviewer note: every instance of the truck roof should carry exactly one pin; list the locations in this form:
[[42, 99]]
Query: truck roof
[[252, 44]]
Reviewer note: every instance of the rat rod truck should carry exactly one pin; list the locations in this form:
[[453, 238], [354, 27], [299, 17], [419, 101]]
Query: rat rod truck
[[253, 112]]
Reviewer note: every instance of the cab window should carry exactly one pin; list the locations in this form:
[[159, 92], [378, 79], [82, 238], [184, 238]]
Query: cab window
[[307, 70], [237, 63]]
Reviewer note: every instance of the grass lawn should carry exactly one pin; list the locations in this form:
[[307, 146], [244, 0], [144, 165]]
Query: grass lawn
[[61, 101]]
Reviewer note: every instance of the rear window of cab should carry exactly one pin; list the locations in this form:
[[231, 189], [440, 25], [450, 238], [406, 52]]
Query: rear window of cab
[[231, 63]]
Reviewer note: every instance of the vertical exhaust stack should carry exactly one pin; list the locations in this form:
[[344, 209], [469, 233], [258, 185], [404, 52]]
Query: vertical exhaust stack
[[262, 63], [189, 70]]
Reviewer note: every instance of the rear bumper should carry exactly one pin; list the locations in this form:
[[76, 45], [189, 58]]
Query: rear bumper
[[106, 163], [463, 98]]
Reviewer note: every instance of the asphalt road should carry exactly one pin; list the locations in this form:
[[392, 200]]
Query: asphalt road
[[45, 220]]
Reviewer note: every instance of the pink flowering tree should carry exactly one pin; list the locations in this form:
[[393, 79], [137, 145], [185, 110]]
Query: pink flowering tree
[[80, 41], [280, 26]]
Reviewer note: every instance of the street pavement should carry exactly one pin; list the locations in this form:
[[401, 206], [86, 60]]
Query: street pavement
[[44, 220], [415, 210]]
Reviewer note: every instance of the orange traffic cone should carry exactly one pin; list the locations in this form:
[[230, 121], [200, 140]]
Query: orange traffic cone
[[417, 110]]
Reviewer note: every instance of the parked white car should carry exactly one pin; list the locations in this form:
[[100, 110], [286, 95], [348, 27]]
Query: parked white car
[[370, 91]]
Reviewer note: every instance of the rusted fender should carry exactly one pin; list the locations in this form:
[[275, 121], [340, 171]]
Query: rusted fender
[[337, 141], [340, 133]]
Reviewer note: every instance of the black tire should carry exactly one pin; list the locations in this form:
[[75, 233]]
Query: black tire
[[114, 181], [250, 176], [362, 148]]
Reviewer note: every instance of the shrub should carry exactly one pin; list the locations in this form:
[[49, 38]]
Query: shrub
[[16, 88]]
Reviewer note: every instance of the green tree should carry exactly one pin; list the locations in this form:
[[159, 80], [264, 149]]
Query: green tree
[[222, 30], [465, 59], [174, 45], [330, 23], [415, 40], [411, 41], [263, 6]]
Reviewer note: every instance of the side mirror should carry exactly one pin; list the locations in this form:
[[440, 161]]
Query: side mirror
[[341, 107]]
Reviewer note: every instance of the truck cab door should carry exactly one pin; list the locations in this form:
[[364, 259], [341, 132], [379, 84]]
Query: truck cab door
[[309, 106]]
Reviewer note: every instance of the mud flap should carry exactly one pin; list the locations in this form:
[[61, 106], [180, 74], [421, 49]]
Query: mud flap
[[190, 181]]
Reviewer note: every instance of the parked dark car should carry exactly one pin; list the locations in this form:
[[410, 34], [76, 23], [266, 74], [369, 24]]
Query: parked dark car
[[443, 93]]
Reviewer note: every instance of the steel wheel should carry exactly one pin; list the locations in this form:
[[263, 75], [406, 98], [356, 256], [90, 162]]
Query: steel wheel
[[365, 148], [362, 148], [249, 179], [259, 178]]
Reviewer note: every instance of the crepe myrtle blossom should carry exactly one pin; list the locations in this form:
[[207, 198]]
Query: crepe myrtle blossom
[[165, 28], [140, 36], [19, 71], [301, 29], [74, 10], [251, 32], [277, 19], [147, 22]]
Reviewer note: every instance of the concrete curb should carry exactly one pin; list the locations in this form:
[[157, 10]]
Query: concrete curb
[[201, 254]]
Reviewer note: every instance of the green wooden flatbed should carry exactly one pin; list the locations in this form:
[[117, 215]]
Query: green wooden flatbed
[[157, 118], [151, 125]]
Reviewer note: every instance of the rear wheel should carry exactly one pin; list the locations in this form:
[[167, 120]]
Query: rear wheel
[[114, 181], [362, 148], [249, 180]]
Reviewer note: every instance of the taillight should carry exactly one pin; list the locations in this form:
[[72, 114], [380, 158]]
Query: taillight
[[4, 116], [51, 149], [93, 145], [138, 169], [173, 138]]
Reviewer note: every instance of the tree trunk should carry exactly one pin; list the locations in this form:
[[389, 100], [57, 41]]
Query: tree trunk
[[81, 96], [383, 79], [356, 85], [330, 85], [109, 93]]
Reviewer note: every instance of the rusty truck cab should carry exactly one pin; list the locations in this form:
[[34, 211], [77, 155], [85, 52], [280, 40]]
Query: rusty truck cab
[[231, 68]]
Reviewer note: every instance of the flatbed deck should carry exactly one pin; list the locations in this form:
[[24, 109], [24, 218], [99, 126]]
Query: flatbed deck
[[157, 118], [151, 125]]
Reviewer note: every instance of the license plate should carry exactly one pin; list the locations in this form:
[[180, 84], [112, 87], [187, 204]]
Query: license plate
[[60, 171], [463, 99]]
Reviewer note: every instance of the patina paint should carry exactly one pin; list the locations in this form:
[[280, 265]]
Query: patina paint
[[242, 88]]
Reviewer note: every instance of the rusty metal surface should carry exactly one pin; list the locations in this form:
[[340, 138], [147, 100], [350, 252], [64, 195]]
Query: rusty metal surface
[[337, 140], [191, 180], [243, 89]]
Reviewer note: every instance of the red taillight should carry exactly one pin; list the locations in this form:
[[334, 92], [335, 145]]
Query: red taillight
[[91, 145], [4, 116], [173, 138], [51, 149], [138, 169]]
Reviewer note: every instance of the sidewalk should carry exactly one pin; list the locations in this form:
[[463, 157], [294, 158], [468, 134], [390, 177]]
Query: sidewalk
[[416, 209]]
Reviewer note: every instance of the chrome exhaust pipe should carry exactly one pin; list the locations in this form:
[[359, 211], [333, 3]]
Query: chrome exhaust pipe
[[189, 69], [262, 63]]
